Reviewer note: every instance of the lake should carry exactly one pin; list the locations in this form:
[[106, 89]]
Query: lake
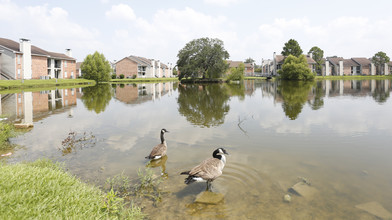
[[331, 138]]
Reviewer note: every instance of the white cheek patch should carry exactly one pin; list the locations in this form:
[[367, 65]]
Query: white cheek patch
[[157, 157]]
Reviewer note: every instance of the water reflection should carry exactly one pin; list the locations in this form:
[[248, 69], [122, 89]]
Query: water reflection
[[294, 95], [24, 108], [159, 163], [142, 92], [96, 98], [204, 105]]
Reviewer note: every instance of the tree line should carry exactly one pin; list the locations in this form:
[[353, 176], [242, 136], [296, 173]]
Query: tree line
[[205, 58]]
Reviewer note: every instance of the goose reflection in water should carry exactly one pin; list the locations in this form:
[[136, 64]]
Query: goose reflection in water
[[208, 205], [161, 162]]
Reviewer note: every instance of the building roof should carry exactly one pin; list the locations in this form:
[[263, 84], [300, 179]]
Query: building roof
[[15, 47], [233, 64], [335, 60], [144, 61], [78, 65], [280, 59], [362, 60], [349, 62]]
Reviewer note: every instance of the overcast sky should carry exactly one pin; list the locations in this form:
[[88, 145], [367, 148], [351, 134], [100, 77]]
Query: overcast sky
[[159, 29]]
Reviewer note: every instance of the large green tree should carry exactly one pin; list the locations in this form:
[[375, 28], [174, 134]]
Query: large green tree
[[379, 59], [317, 55], [292, 48], [96, 67], [296, 68], [203, 57]]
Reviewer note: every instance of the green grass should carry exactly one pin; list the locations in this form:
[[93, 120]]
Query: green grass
[[353, 77], [38, 83], [6, 131], [255, 77], [43, 190], [143, 80]]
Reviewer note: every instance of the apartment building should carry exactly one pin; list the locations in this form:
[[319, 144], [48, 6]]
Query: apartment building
[[25, 61], [135, 66]]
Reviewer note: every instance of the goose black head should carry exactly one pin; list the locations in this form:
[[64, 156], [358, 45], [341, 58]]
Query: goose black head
[[164, 130], [218, 152]]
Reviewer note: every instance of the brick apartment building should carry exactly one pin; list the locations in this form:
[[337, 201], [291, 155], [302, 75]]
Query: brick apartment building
[[25, 61], [142, 68]]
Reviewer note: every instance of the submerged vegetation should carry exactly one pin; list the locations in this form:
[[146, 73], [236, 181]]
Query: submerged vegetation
[[43, 190]]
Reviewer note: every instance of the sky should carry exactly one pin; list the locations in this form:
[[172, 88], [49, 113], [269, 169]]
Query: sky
[[159, 29]]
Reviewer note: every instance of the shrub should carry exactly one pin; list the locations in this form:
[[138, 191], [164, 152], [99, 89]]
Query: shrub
[[6, 131], [134, 76], [121, 76], [236, 74], [114, 76], [296, 68]]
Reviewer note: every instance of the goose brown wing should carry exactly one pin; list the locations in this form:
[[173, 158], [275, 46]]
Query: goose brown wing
[[158, 150], [208, 169]]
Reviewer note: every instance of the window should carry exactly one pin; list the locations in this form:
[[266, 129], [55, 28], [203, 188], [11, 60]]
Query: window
[[19, 58], [66, 92], [18, 73], [72, 76], [65, 74], [65, 63]]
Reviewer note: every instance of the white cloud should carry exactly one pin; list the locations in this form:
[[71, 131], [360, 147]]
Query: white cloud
[[48, 28], [223, 3], [121, 12], [343, 36], [168, 31]]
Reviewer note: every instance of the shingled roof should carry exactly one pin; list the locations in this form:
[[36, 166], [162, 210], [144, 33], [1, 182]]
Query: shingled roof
[[15, 47]]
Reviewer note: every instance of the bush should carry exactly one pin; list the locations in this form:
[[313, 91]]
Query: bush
[[6, 131], [114, 76], [134, 76], [296, 68], [236, 74], [121, 76]]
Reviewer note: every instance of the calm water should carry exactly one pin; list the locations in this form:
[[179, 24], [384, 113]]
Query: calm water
[[336, 134]]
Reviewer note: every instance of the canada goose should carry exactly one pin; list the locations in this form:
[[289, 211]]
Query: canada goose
[[208, 170], [159, 150]]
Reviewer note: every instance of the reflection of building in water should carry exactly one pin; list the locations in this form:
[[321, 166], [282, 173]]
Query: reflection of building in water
[[334, 88], [142, 92], [24, 108]]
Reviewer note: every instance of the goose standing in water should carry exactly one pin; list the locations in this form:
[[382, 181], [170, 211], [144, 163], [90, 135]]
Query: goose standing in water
[[159, 150], [208, 170]]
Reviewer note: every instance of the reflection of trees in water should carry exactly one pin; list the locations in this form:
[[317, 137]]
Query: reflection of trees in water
[[294, 95], [236, 90], [204, 105], [379, 94], [97, 97], [318, 101]]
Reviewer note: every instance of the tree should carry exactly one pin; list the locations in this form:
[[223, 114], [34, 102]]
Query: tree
[[317, 55], [249, 60], [236, 74], [203, 57], [96, 67], [296, 68], [379, 60], [292, 48]]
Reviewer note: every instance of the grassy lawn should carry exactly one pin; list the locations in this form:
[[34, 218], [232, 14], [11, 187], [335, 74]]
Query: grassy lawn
[[43, 190], [35, 83]]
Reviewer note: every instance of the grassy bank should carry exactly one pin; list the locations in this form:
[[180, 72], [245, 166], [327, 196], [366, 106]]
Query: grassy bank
[[38, 83], [353, 77], [43, 190], [138, 80]]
